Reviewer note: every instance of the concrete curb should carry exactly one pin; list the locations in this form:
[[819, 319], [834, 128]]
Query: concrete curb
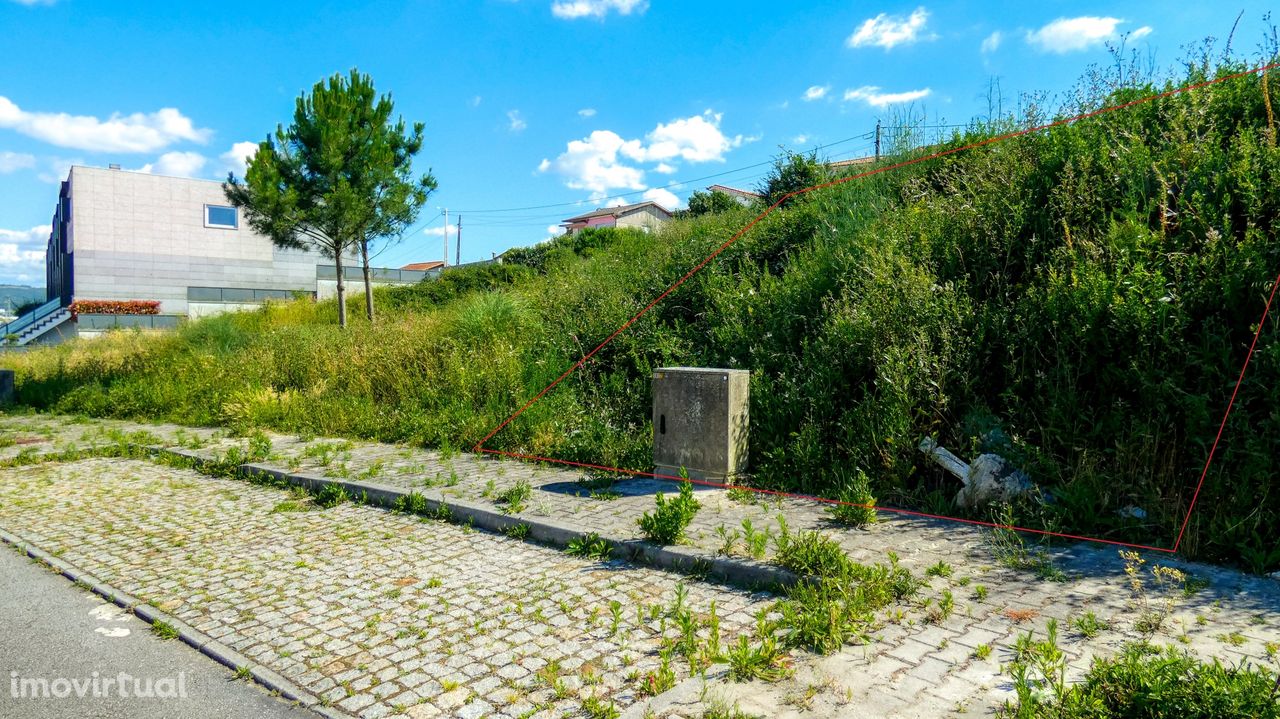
[[203, 643], [744, 574], [732, 571]]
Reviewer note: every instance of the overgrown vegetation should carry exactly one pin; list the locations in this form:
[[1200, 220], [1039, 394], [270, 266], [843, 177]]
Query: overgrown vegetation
[[1078, 300], [1143, 682], [669, 519]]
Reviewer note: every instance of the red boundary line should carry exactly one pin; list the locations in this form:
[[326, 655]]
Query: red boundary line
[[1231, 403], [479, 446]]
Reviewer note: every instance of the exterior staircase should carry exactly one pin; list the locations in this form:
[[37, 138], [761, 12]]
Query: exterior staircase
[[33, 325]]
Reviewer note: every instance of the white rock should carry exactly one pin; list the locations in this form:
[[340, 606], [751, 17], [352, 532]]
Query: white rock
[[993, 479]]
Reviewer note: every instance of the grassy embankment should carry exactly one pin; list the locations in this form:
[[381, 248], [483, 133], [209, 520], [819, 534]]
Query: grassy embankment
[[1079, 300]]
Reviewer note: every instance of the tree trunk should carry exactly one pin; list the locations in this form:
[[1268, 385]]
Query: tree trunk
[[368, 284], [342, 287]]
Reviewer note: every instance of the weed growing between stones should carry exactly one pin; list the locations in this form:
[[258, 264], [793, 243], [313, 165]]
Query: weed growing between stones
[[589, 546], [667, 523], [859, 505], [1170, 583], [1143, 682], [1011, 550], [514, 497], [331, 495], [1089, 625]]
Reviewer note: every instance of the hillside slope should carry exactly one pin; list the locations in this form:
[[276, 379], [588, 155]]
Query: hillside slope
[[1079, 299]]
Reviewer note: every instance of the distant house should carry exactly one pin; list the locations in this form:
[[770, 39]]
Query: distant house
[[853, 162], [745, 197], [424, 266], [645, 215]]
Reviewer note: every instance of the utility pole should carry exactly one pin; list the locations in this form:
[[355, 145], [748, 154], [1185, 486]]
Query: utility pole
[[446, 237], [457, 256], [877, 140]]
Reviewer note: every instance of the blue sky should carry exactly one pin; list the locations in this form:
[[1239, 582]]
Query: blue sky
[[530, 103]]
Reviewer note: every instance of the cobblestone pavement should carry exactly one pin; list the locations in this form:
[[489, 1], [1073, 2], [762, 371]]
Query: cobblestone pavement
[[379, 613], [944, 655]]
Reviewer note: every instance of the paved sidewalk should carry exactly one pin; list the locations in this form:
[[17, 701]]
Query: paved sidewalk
[[940, 656], [52, 630], [377, 613]]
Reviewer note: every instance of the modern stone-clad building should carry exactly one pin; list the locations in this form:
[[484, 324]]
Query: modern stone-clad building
[[122, 235]]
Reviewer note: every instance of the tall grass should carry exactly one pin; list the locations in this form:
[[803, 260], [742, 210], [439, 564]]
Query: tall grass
[[1079, 300]]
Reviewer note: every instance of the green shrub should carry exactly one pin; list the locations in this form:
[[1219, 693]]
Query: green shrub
[[515, 496], [331, 495], [857, 508], [589, 546], [1144, 682], [666, 524]]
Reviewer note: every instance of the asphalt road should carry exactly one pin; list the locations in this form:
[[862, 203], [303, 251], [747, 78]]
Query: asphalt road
[[56, 635]]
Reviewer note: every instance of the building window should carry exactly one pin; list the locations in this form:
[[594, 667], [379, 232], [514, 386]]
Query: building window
[[220, 216]]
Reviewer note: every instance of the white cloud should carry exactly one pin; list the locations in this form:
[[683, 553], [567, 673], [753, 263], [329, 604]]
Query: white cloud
[[816, 92], [32, 3], [695, 139], [873, 97], [800, 139], [593, 164], [574, 9], [475, 101], [22, 255], [176, 164], [517, 122], [1141, 32], [888, 31], [587, 112], [14, 161], [604, 161], [663, 197], [119, 133], [992, 42], [235, 159], [439, 231], [554, 231], [1078, 33]]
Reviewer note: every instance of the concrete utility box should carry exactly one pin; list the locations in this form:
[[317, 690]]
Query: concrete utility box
[[6, 386], [700, 422]]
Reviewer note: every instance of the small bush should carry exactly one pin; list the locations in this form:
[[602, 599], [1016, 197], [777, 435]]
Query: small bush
[[589, 546], [411, 503], [331, 495], [1144, 683], [857, 508], [811, 554], [668, 521], [515, 496]]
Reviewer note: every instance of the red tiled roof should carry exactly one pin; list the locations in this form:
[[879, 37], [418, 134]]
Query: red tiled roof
[[616, 211], [420, 266]]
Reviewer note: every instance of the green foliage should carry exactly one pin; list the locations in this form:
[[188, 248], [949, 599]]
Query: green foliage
[[333, 494], [1078, 300], [412, 503], [589, 546], [710, 203], [791, 172], [515, 496], [1143, 682], [338, 177], [857, 508], [666, 524]]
